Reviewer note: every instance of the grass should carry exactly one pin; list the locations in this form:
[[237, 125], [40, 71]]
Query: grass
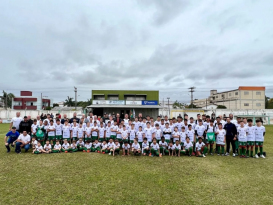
[[91, 178]]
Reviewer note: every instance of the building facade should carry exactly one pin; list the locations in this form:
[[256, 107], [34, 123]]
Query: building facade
[[131, 102], [245, 97], [29, 102]]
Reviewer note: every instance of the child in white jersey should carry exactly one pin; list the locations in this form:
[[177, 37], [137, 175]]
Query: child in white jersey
[[87, 131], [163, 146], [200, 148], [175, 135], [87, 147], [242, 139], [80, 132], [250, 137], [57, 147], [221, 139], [171, 148], [154, 149], [157, 133], [80, 144], [126, 149], [188, 147], [38, 149], [65, 146], [145, 147], [259, 139], [102, 131], [177, 148], [140, 136], [136, 148]]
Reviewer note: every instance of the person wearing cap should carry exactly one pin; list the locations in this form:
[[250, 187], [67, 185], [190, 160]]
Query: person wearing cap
[[22, 142], [25, 125], [11, 137], [15, 122]]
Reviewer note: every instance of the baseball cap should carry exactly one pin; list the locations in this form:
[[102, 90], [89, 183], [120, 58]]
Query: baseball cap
[[13, 127]]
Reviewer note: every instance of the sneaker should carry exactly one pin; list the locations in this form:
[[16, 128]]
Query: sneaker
[[262, 156], [66, 151], [150, 154], [83, 150], [234, 154], [256, 156], [18, 152], [204, 155], [103, 153], [218, 154], [98, 151], [88, 151], [109, 153], [227, 154]]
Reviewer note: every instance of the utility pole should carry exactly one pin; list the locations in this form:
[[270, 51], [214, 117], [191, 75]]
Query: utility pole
[[206, 104], [168, 105], [6, 103], [75, 90], [191, 91], [41, 101]]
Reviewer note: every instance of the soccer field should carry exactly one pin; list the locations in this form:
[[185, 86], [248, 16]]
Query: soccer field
[[92, 178]]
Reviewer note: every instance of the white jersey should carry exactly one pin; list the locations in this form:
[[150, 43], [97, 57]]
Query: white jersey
[[171, 147], [132, 134], [145, 145], [148, 133], [143, 125], [88, 146], [126, 147], [199, 145], [108, 131], [179, 125], [119, 134], [96, 145], [65, 146], [111, 145], [221, 137], [162, 127], [176, 136], [74, 131], [59, 129], [154, 146], [73, 146], [80, 143], [34, 128], [126, 121], [250, 133], [190, 134], [88, 131], [157, 122], [47, 147], [158, 134], [183, 136], [259, 133], [188, 145], [135, 146], [168, 132], [115, 128], [40, 148], [80, 132], [124, 134], [34, 143], [140, 136], [136, 125], [66, 131], [242, 134], [94, 132], [104, 146], [193, 125], [163, 144], [57, 146], [200, 130], [177, 146], [51, 133]]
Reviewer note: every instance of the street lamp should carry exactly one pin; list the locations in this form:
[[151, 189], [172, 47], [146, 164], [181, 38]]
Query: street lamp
[[168, 105]]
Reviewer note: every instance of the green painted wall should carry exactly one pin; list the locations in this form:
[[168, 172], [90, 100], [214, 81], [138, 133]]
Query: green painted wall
[[151, 95]]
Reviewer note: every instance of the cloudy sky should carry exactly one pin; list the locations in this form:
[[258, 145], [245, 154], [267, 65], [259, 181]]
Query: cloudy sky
[[50, 46]]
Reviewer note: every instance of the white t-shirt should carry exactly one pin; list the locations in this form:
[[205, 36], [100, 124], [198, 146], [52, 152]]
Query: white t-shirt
[[16, 122], [221, 137], [140, 136], [114, 128], [96, 145], [158, 134], [259, 133], [145, 145], [65, 146], [199, 145], [111, 145], [200, 129], [242, 134], [176, 136], [66, 131], [177, 146], [250, 133], [163, 144], [148, 133], [74, 131], [57, 146], [154, 146], [34, 143], [167, 136], [34, 128], [171, 147], [95, 133], [124, 134], [126, 147], [80, 132], [104, 146], [188, 145], [88, 131], [59, 129], [183, 136], [88, 146], [190, 134], [179, 125], [132, 134], [101, 132], [80, 143], [47, 147], [25, 139], [40, 148], [136, 146], [51, 133]]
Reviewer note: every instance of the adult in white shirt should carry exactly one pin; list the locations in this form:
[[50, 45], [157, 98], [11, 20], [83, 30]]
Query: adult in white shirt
[[15, 122], [22, 142]]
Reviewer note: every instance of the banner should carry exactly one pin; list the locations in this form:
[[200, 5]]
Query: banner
[[210, 136], [133, 102], [149, 102], [108, 102]]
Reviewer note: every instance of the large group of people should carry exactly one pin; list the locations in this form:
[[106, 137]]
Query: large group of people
[[181, 136]]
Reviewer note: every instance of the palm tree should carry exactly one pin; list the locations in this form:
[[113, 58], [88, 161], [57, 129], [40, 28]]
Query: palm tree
[[7, 97], [69, 101]]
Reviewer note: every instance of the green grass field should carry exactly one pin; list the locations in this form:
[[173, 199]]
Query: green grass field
[[91, 178]]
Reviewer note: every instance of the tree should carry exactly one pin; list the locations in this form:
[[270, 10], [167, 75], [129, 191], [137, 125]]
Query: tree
[[84, 104], [69, 102], [177, 104], [191, 106], [8, 97], [55, 105], [221, 107], [267, 102]]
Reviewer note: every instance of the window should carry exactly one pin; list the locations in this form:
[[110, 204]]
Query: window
[[246, 104], [236, 93], [229, 94], [112, 97], [258, 93], [258, 104], [246, 93], [217, 96], [99, 97]]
